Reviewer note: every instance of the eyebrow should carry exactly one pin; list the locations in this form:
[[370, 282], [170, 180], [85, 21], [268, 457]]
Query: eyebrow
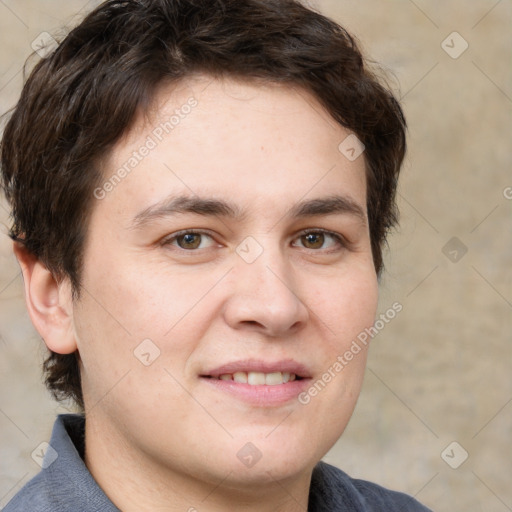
[[183, 204], [330, 205]]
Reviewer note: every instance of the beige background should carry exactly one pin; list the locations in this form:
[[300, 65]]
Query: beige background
[[441, 370]]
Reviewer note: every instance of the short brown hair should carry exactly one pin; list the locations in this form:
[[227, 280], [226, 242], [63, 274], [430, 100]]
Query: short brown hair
[[79, 100]]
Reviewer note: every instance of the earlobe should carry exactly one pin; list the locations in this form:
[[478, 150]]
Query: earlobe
[[49, 302]]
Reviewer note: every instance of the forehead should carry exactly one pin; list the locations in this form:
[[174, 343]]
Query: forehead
[[250, 142]]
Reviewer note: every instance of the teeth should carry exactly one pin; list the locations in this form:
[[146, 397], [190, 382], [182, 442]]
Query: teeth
[[240, 377], [256, 378], [272, 379], [259, 378]]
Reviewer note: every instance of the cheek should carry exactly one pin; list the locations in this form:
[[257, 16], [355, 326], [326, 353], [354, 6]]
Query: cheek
[[345, 308], [124, 303], [141, 299], [346, 305]]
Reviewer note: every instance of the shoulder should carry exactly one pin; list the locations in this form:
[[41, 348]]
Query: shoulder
[[332, 490], [34, 496], [43, 492], [64, 484]]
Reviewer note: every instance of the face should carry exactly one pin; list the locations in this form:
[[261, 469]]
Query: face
[[225, 271]]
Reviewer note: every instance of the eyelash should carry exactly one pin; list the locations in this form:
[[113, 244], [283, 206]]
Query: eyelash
[[341, 241]]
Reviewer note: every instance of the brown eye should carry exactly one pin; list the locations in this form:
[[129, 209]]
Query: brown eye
[[189, 241], [319, 239], [313, 240]]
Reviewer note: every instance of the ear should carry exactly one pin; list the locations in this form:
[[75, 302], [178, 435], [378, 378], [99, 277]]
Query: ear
[[49, 302]]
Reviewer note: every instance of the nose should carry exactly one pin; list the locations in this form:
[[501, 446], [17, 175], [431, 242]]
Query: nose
[[264, 298]]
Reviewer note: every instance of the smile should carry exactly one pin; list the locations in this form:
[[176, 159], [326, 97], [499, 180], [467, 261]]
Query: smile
[[259, 378], [259, 383]]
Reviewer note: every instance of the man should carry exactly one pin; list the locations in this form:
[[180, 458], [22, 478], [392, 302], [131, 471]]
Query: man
[[199, 224]]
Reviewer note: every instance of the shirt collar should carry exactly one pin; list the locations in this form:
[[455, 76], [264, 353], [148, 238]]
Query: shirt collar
[[65, 471]]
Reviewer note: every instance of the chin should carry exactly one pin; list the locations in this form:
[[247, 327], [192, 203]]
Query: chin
[[266, 472], [267, 459]]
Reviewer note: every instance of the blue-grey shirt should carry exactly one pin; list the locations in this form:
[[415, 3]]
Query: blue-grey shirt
[[65, 484]]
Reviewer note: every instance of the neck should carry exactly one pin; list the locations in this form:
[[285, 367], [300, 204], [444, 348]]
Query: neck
[[135, 481]]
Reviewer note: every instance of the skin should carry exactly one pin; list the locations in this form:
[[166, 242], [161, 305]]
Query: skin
[[159, 437]]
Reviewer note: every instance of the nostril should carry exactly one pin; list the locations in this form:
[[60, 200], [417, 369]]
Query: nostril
[[252, 323]]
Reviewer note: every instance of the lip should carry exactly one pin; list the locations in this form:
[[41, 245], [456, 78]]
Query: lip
[[259, 395], [256, 365]]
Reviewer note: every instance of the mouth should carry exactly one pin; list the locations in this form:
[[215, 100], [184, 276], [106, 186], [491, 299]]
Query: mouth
[[258, 378], [259, 383]]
